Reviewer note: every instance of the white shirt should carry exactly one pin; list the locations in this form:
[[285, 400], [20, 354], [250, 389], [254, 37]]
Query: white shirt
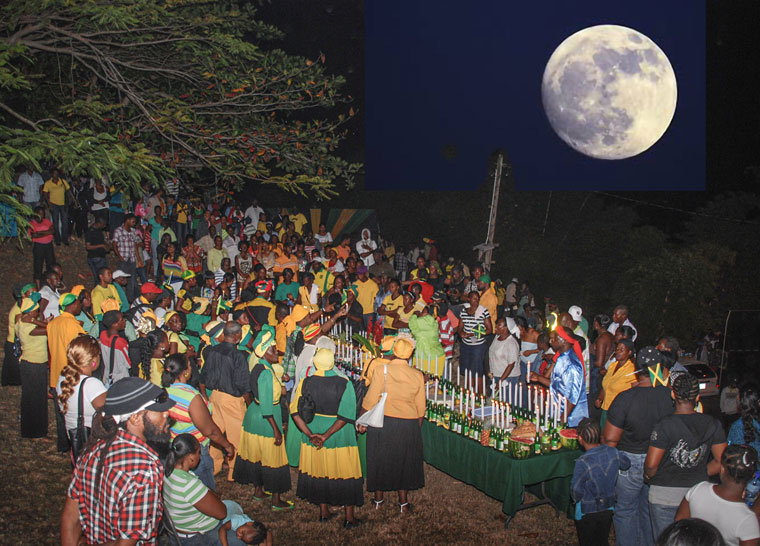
[[99, 196], [325, 239], [93, 388], [304, 360], [734, 520], [31, 184], [369, 259], [52, 297], [612, 328], [254, 214], [503, 353]]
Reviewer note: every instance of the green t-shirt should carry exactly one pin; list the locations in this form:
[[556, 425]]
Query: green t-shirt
[[281, 294], [182, 490]]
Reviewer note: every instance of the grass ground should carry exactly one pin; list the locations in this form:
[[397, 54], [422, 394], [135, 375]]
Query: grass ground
[[35, 477]]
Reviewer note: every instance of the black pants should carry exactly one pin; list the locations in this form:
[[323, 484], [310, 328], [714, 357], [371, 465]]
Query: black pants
[[594, 528], [42, 253], [11, 374], [60, 215], [60, 425], [34, 402]]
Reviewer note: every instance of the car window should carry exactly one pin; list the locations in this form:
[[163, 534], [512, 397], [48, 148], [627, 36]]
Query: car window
[[701, 371]]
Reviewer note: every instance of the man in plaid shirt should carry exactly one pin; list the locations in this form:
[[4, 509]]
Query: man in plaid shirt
[[115, 491], [127, 244]]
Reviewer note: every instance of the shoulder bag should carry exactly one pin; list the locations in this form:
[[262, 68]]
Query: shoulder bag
[[79, 436], [375, 417]]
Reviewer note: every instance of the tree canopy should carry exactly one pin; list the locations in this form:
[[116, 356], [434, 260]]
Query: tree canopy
[[143, 91]]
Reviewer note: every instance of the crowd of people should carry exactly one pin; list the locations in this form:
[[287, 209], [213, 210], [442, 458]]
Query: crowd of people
[[202, 347]]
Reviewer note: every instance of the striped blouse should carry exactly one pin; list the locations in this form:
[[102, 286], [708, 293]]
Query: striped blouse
[[183, 394], [474, 324]]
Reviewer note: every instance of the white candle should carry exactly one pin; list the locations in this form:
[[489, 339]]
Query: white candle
[[529, 397], [493, 388], [473, 404], [436, 391], [484, 384], [565, 406], [520, 390]]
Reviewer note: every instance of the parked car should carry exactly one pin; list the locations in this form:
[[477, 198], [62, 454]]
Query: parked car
[[708, 379]]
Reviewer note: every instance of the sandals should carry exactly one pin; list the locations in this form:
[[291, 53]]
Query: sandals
[[378, 503], [290, 505], [405, 507], [265, 497]]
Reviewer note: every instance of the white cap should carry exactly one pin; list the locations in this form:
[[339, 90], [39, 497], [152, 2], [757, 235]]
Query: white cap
[[575, 312], [119, 273], [514, 279]]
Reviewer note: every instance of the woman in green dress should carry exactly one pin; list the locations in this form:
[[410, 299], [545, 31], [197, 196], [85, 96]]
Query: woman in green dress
[[261, 459], [329, 470], [429, 356]]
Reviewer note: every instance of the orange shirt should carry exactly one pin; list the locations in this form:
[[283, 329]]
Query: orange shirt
[[405, 387], [343, 252], [61, 330]]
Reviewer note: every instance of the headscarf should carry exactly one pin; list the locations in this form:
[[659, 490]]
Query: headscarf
[[109, 304], [311, 331], [324, 359], [403, 348], [264, 340], [263, 286], [27, 287], [66, 299], [168, 316], [562, 332], [28, 305], [77, 289], [145, 324], [299, 313], [325, 342], [188, 274], [512, 326], [211, 331]]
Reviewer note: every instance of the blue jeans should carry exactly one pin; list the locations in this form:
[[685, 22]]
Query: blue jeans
[[471, 357], [211, 538], [205, 470], [60, 214], [631, 518], [661, 515], [96, 264]]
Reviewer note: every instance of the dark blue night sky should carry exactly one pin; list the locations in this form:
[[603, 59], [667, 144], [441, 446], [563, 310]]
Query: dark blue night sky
[[466, 77]]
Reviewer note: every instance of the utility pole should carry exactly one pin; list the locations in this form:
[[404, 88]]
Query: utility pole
[[485, 250]]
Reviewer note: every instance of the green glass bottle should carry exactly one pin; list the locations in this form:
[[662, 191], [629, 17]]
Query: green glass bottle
[[537, 444], [465, 427]]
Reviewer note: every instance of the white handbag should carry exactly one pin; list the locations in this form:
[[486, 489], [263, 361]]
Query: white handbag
[[375, 416]]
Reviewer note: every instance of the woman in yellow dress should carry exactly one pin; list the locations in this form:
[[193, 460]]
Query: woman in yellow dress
[[619, 377], [262, 459]]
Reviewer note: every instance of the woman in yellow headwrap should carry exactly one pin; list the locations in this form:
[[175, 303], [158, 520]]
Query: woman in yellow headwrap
[[261, 459], [329, 470]]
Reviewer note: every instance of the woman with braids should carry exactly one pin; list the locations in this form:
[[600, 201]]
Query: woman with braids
[[723, 505], [679, 448], [262, 459], [198, 514], [155, 348], [618, 378], [83, 356], [746, 429], [192, 415], [593, 484]]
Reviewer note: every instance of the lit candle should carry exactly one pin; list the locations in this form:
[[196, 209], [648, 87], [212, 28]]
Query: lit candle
[[529, 397], [520, 391]]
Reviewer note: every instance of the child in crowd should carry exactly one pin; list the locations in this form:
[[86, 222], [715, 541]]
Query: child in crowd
[[593, 484], [247, 530], [723, 505]]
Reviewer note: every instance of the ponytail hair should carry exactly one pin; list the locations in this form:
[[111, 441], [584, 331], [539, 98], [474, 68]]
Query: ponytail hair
[[82, 351], [182, 446], [749, 409], [152, 339], [174, 366]]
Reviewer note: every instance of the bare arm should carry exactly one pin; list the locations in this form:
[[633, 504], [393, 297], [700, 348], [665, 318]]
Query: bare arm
[[713, 467], [202, 419], [683, 511], [652, 462], [211, 506], [71, 529], [612, 434]]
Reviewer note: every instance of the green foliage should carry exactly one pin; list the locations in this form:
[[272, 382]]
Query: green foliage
[[147, 90]]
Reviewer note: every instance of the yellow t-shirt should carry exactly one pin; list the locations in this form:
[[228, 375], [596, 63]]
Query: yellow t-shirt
[[100, 294], [617, 382], [156, 371], [366, 292], [299, 220], [33, 348], [56, 191], [403, 316], [182, 210], [392, 305], [12, 314], [175, 338]]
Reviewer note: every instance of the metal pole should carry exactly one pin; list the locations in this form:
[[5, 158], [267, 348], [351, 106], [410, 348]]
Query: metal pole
[[492, 219], [723, 350]]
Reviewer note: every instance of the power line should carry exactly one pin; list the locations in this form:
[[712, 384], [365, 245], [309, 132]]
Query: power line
[[666, 207]]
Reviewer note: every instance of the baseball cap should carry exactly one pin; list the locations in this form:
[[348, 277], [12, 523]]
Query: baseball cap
[[575, 312], [119, 273], [150, 288], [131, 394], [648, 357]]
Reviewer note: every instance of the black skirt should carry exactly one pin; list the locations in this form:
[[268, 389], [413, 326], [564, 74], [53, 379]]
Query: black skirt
[[274, 480], [11, 372], [394, 456]]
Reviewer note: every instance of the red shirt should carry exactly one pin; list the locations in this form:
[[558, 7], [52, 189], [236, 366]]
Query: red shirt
[[126, 502], [41, 225]]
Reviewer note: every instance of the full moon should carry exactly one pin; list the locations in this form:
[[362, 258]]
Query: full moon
[[609, 92]]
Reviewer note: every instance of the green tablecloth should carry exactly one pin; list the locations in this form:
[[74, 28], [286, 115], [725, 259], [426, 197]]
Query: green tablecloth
[[497, 474]]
